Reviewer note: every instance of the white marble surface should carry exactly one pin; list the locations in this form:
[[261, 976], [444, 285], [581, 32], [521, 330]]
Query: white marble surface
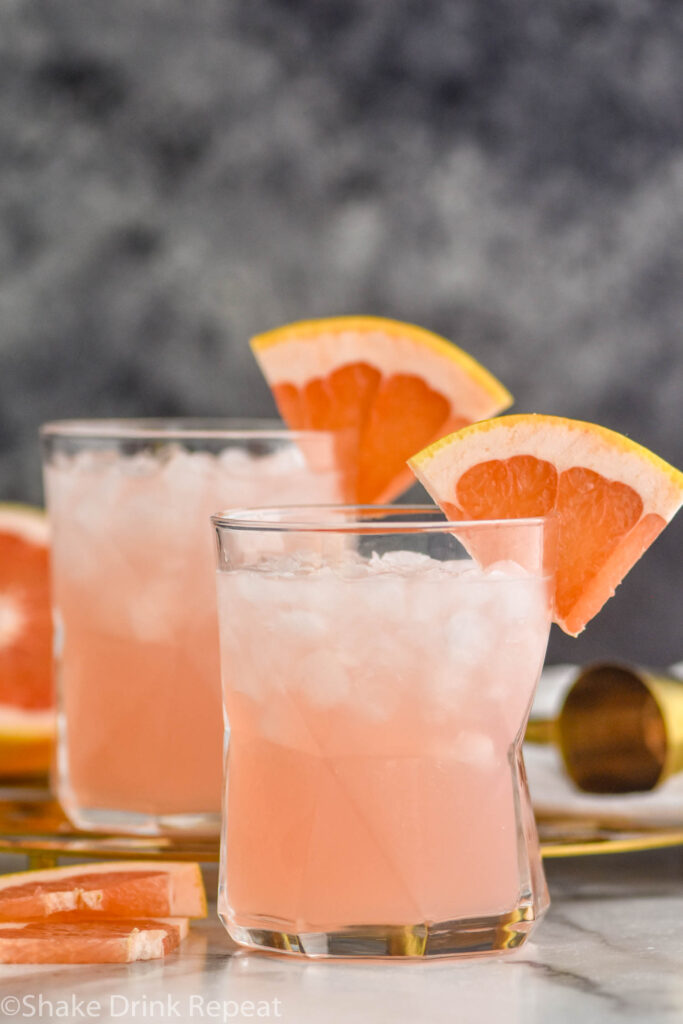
[[611, 948]]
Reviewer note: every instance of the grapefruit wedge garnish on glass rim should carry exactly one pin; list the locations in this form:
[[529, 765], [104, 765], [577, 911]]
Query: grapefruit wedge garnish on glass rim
[[96, 892], [27, 719], [387, 388], [610, 496]]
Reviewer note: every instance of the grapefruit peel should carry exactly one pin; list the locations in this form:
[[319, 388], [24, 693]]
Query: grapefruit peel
[[389, 345]]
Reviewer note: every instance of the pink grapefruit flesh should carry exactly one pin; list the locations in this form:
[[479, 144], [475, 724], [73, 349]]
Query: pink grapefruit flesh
[[26, 691], [96, 892], [89, 942]]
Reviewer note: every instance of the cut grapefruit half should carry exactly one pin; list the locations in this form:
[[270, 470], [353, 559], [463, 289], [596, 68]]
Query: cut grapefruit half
[[95, 892], [610, 496], [27, 721], [91, 942], [387, 388]]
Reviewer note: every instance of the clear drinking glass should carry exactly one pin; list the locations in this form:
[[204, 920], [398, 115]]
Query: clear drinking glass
[[140, 729], [378, 667]]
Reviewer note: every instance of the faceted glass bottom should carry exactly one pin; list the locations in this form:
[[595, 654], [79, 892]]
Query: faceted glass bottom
[[89, 819], [466, 937]]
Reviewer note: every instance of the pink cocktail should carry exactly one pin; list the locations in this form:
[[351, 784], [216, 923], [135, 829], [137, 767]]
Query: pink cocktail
[[377, 680], [140, 717]]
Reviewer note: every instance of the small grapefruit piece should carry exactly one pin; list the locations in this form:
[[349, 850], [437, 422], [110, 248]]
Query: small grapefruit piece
[[92, 892], [27, 721], [611, 497], [90, 942], [387, 388]]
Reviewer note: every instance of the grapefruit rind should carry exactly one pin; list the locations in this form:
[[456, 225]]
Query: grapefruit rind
[[17, 724], [563, 442], [26, 741], [27, 522], [185, 895], [285, 355]]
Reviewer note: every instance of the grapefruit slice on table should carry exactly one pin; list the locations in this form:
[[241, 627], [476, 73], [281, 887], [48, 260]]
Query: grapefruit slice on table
[[91, 942], [388, 388], [27, 719], [94, 892], [611, 497]]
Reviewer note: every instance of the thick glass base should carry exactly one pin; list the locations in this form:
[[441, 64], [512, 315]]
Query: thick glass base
[[89, 819], [120, 820], [466, 937]]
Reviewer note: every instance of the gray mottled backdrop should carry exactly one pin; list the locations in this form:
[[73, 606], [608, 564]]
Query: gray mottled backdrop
[[177, 175]]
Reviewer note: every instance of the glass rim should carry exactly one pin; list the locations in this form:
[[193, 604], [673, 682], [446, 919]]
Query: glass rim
[[308, 519], [172, 427]]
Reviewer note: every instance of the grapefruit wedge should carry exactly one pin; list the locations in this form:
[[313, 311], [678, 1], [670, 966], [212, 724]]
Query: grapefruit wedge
[[91, 942], [96, 892], [387, 388], [27, 720], [611, 497]]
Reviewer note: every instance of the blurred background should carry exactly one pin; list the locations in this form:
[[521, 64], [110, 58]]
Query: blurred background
[[176, 176]]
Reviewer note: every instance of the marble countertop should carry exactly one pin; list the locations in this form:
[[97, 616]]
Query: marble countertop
[[610, 948]]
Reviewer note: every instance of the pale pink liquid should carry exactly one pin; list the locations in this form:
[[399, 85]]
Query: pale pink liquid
[[134, 592], [372, 724]]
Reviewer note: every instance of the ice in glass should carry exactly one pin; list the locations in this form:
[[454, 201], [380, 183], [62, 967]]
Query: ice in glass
[[140, 718], [377, 674]]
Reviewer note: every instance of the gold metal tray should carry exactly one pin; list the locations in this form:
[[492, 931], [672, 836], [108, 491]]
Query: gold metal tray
[[33, 825]]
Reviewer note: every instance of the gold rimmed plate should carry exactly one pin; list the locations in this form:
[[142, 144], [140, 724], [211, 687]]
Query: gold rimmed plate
[[33, 825]]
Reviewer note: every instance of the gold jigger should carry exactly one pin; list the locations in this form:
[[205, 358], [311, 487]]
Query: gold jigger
[[620, 730]]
